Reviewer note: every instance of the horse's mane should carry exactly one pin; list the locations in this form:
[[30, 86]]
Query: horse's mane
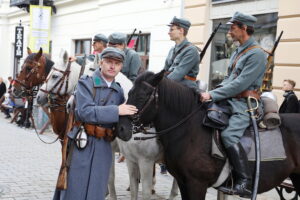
[[175, 96]]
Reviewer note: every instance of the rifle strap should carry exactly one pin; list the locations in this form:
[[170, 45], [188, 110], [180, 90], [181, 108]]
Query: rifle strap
[[243, 52], [175, 54]]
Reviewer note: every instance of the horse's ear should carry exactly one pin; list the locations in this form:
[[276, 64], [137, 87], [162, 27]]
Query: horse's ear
[[29, 51], [157, 78], [65, 57], [39, 54]]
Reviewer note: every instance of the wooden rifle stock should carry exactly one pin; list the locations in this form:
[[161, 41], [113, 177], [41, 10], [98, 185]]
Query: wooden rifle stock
[[271, 54], [63, 172]]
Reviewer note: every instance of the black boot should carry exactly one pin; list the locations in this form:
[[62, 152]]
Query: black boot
[[239, 160]]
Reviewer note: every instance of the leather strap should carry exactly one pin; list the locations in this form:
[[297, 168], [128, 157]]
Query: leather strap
[[190, 78], [243, 52], [178, 52], [247, 93]]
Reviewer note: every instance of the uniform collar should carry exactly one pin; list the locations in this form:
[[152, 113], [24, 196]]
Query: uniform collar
[[183, 43], [248, 43], [99, 82]]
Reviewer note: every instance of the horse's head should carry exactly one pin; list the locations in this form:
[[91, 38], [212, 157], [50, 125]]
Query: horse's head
[[144, 95], [33, 72], [61, 80]]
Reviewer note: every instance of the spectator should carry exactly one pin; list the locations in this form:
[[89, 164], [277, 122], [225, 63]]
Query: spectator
[[10, 80], [2, 87], [290, 103], [7, 105]]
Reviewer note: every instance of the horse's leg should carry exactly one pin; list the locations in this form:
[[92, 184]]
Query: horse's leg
[[133, 178], [146, 171], [183, 191], [174, 190], [196, 190], [296, 182], [111, 180]]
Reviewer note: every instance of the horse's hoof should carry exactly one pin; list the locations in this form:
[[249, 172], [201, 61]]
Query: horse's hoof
[[153, 191]]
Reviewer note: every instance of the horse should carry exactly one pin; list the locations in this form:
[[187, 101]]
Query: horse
[[187, 143], [33, 73]]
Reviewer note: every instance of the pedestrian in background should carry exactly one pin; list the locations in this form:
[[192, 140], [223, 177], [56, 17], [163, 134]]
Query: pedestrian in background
[[2, 89], [290, 103]]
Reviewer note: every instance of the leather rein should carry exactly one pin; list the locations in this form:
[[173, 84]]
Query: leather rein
[[138, 127]]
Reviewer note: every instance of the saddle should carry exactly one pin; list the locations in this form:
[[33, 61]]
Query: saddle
[[271, 146]]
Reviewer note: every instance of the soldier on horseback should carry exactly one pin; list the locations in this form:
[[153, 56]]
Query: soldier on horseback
[[245, 76], [182, 63]]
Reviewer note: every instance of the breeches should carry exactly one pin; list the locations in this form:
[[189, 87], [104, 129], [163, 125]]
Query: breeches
[[235, 130]]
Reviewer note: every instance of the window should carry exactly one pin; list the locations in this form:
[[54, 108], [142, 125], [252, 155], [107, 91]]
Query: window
[[223, 46], [141, 44], [83, 46]]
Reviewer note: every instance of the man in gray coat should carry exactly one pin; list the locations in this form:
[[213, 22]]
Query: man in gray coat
[[182, 63], [132, 62], [245, 75], [99, 102]]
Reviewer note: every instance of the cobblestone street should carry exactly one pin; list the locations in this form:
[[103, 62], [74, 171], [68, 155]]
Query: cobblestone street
[[29, 168]]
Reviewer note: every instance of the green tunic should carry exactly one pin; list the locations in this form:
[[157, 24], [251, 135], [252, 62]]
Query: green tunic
[[247, 75]]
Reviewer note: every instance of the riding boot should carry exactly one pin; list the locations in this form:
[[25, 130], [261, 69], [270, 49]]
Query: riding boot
[[239, 160]]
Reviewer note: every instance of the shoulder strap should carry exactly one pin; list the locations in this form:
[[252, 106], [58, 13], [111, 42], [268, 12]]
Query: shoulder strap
[[243, 52], [107, 97], [178, 52]]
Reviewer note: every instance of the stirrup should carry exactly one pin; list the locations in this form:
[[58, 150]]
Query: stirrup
[[246, 193]]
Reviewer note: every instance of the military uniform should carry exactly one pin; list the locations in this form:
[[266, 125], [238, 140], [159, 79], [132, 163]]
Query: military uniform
[[132, 62], [182, 63], [89, 169], [247, 75]]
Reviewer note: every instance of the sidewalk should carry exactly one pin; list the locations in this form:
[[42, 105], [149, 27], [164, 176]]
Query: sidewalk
[[29, 168]]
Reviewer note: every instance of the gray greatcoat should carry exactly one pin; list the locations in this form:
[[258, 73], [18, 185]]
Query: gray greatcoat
[[185, 63], [247, 75], [89, 168], [132, 64]]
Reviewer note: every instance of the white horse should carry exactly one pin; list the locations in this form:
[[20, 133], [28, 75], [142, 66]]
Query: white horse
[[140, 155]]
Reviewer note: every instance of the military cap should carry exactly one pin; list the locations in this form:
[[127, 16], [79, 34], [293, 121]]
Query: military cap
[[183, 23], [248, 20], [100, 37], [117, 38], [113, 53]]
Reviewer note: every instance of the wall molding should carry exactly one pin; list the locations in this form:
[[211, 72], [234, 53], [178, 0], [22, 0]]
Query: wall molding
[[195, 6], [286, 65], [288, 16]]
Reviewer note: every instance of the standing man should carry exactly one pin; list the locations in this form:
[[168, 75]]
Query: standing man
[[99, 102], [290, 103], [132, 62], [2, 89], [245, 75], [182, 63]]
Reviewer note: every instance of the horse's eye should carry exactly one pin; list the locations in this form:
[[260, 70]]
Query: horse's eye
[[54, 76]]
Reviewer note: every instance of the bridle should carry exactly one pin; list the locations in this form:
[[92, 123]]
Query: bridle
[[35, 65], [138, 126]]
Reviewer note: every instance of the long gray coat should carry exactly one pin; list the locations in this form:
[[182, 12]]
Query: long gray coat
[[89, 169], [247, 75], [132, 64]]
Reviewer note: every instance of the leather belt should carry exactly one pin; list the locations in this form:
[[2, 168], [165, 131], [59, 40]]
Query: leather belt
[[185, 77], [247, 93], [98, 131]]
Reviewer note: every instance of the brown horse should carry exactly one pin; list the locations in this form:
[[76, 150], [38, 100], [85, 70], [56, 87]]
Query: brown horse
[[187, 145], [34, 71]]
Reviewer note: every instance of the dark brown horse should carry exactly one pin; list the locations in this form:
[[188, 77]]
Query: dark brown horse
[[187, 147], [34, 72]]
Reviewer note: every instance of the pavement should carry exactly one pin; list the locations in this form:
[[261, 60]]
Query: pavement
[[29, 168]]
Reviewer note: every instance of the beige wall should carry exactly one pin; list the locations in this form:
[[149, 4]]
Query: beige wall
[[197, 11], [287, 59]]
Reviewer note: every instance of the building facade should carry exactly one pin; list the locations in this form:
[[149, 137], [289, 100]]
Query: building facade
[[273, 17]]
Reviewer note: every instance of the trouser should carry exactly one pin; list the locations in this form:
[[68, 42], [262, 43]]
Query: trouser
[[238, 123]]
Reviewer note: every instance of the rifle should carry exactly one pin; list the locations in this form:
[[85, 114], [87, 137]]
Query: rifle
[[129, 39], [209, 41], [271, 54], [63, 172], [137, 41]]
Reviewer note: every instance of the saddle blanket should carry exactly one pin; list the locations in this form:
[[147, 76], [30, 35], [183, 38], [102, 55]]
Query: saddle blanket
[[271, 147]]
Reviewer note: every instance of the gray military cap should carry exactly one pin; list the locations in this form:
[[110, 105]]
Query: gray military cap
[[100, 37], [248, 20], [113, 53], [117, 38], [184, 23]]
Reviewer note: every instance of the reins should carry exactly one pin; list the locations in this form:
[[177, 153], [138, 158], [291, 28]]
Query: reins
[[139, 127]]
